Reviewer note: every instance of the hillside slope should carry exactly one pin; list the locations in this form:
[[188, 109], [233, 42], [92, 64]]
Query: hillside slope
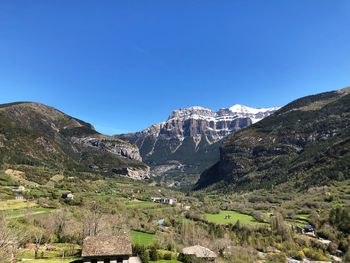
[[305, 143], [38, 135]]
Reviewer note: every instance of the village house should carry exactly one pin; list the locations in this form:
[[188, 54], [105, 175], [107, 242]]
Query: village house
[[309, 230], [161, 222], [187, 207], [200, 252], [67, 196], [108, 249], [306, 230], [19, 196], [164, 200], [18, 189]]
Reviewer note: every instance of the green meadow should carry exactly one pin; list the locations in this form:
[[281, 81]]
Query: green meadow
[[142, 238], [221, 218]]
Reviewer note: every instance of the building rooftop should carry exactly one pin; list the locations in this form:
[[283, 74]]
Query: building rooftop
[[106, 246], [199, 252]]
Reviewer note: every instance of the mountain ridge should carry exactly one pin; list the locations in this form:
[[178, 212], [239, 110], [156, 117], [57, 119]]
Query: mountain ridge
[[36, 134], [307, 141]]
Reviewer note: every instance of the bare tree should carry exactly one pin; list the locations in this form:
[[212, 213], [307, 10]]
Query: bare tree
[[37, 234], [8, 242], [92, 220]]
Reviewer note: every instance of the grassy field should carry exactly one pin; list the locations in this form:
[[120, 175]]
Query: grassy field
[[140, 204], [234, 217], [304, 217], [23, 212], [54, 256], [296, 222], [51, 260], [166, 261], [142, 238], [16, 204]]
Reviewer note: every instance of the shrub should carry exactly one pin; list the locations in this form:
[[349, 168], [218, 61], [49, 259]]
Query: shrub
[[141, 251], [299, 255], [153, 254], [167, 256], [278, 258], [314, 254]]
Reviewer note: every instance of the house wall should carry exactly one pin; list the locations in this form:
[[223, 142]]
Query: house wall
[[116, 259]]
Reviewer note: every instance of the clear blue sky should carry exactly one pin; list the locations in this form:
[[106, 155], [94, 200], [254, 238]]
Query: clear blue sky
[[123, 65]]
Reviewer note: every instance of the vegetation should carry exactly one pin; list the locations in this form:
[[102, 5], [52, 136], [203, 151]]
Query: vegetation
[[230, 217], [263, 224], [303, 145], [142, 238]]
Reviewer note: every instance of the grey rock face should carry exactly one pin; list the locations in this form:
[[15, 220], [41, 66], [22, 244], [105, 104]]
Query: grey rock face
[[113, 146], [133, 173]]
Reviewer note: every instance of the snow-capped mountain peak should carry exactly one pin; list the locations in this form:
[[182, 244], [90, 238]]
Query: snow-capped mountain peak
[[255, 114], [245, 109], [194, 112]]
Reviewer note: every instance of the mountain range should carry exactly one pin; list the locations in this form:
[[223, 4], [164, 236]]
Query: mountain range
[[305, 143], [180, 148]]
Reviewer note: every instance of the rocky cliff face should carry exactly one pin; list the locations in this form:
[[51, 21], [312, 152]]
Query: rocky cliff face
[[36, 134], [188, 141], [110, 145], [305, 143]]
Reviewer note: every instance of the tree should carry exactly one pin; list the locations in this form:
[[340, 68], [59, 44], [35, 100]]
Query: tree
[[37, 233], [91, 220], [279, 227], [340, 217], [8, 241], [60, 219]]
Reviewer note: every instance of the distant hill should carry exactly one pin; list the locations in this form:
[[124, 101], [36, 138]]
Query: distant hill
[[187, 143], [38, 135], [305, 143]]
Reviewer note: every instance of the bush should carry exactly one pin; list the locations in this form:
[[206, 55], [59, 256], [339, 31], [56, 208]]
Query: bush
[[153, 254], [299, 255], [141, 251], [278, 258], [167, 256], [314, 254]]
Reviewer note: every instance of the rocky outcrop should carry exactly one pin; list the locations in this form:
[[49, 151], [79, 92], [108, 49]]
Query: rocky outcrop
[[133, 173], [111, 145]]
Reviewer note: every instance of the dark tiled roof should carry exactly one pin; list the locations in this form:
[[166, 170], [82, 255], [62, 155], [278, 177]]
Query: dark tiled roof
[[106, 246]]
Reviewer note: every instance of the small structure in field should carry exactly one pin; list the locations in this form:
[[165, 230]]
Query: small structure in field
[[156, 199], [309, 230], [112, 249], [161, 222], [164, 200], [18, 189], [200, 252], [19, 196], [187, 207], [306, 230], [67, 196]]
